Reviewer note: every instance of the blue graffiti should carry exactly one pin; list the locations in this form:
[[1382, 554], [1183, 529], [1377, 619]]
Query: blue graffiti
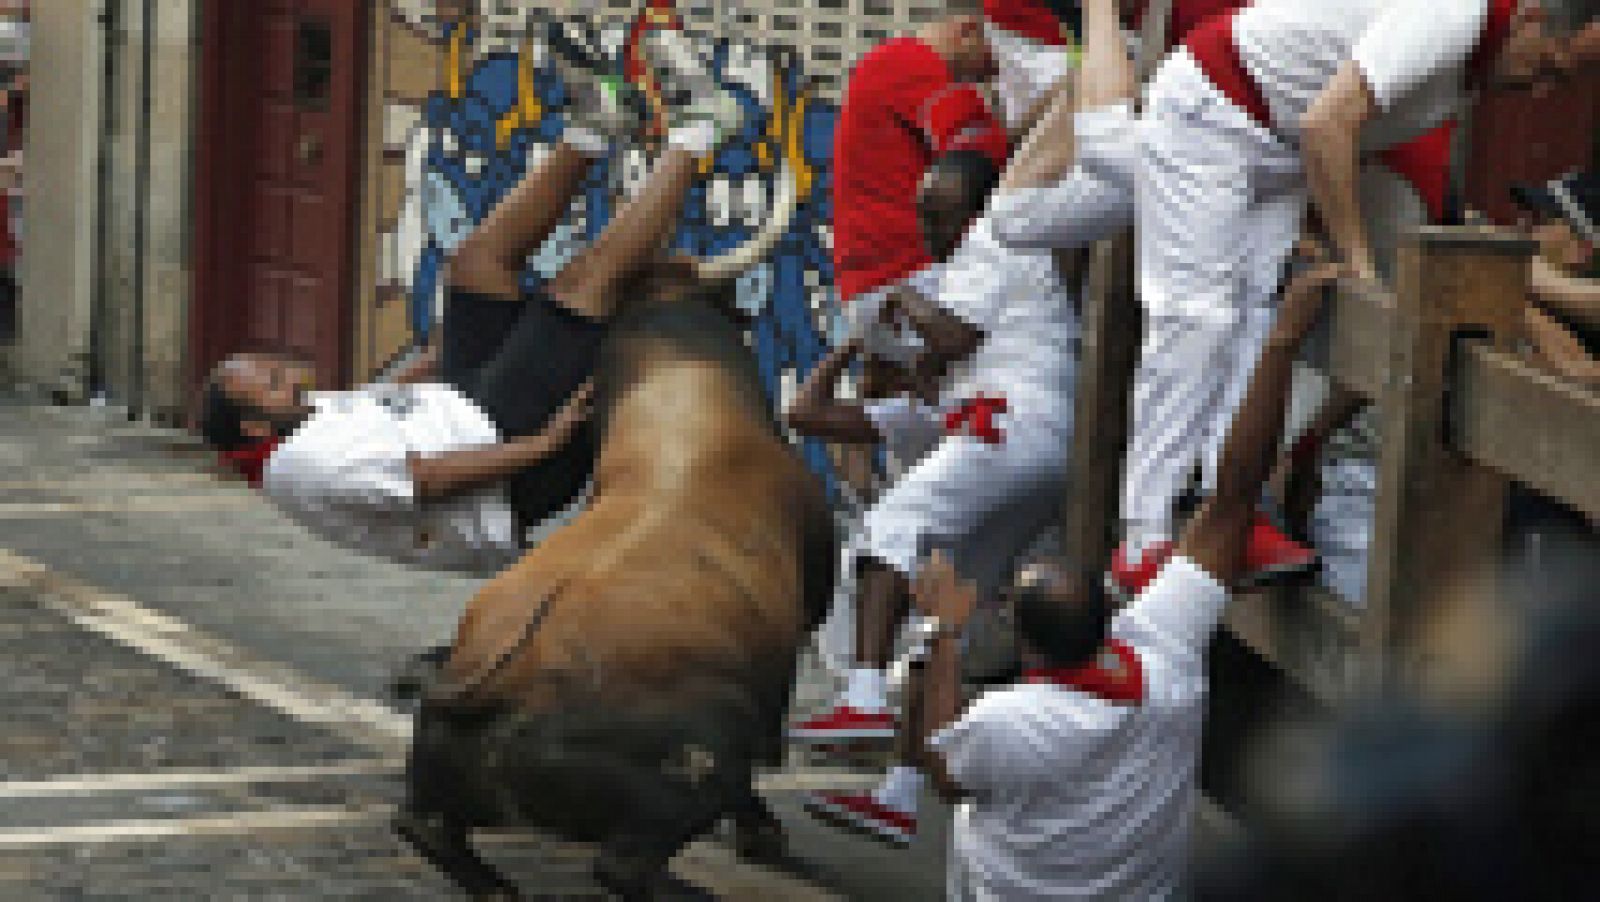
[[468, 170]]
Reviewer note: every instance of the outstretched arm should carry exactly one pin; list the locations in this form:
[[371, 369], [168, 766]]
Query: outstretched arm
[[455, 472], [816, 412], [1215, 539], [1330, 145]]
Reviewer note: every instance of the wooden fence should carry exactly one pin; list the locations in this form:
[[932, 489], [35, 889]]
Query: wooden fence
[[1461, 417]]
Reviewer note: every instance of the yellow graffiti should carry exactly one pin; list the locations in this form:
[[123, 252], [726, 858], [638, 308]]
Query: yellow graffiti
[[455, 61], [527, 111]]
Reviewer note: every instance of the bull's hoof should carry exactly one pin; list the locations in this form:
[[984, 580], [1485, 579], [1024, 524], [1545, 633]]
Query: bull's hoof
[[447, 849]]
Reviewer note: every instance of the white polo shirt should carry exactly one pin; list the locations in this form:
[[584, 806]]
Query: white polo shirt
[[1412, 53], [1016, 296], [344, 475], [1077, 797]]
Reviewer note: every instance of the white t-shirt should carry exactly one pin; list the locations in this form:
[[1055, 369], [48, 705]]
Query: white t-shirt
[[1076, 797], [1412, 52], [1030, 350], [344, 475]]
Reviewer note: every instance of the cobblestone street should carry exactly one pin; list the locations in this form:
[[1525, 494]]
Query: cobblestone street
[[194, 698]]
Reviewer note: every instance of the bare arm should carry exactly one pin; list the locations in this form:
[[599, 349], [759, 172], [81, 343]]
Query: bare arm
[[1575, 299], [816, 412], [1215, 539], [1330, 145], [423, 368], [455, 472], [1560, 349], [941, 593], [948, 336]]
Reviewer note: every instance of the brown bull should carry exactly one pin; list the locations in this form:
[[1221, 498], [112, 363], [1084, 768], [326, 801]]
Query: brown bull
[[619, 684]]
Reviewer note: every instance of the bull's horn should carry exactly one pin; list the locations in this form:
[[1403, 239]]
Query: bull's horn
[[733, 263]]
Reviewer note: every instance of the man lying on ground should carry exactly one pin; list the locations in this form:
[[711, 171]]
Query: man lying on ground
[[451, 474]]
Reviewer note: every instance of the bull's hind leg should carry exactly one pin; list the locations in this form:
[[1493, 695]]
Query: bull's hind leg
[[633, 861], [436, 818]]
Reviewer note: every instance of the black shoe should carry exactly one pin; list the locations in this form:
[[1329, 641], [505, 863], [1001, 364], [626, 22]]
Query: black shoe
[[598, 96]]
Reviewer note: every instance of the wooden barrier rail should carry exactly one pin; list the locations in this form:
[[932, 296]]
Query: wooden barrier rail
[[1460, 417]]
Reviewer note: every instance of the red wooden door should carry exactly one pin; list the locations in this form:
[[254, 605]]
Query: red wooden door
[[281, 128]]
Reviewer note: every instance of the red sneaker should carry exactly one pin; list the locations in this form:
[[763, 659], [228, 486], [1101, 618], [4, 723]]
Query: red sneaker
[[1125, 581], [1272, 555], [865, 815], [844, 725]]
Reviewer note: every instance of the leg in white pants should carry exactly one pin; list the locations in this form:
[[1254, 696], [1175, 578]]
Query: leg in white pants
[[1219, 206]]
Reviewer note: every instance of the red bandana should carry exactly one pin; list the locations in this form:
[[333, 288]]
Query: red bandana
[[251, 460], [1114, 675], [976, 418]]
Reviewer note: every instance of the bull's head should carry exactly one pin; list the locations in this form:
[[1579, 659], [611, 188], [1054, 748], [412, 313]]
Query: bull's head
[[735, 262]]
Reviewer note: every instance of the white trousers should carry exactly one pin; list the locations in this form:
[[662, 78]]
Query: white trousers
[[982, 504], [1220, 203]]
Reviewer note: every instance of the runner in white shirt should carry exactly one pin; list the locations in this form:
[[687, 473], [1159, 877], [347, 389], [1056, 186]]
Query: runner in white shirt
[[1256, 113], [994, 481], [1080, 781]]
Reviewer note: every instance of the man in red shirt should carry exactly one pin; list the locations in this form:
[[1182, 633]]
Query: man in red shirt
[[909, 100]]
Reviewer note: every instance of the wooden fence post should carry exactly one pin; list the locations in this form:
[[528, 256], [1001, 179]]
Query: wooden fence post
[[1439, 516], [1110, 325]]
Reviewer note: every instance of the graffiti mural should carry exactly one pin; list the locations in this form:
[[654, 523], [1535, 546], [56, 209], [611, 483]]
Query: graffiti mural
[[494, 108]]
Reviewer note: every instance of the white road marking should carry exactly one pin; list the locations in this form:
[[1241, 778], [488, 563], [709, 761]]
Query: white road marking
[[361, 720], [92, 784], [132, 504], [116, 480], [129, 623], [251, 823]]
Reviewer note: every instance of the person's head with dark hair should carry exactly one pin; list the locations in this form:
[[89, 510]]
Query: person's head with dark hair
[[1061, 615], [255, 397], [952, 195]]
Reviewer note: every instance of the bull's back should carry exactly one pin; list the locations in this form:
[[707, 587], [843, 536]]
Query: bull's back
[[644, 592]]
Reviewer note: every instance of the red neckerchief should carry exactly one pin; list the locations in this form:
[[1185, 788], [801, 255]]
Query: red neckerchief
[[251, 460], [976, 417], [1114, 675]]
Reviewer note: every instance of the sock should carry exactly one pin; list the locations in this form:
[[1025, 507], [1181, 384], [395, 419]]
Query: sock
[[698, 138], [901, 789], [867, 689], [585, 140]]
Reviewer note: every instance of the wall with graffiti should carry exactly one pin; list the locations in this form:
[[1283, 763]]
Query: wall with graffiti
[[469, 104]]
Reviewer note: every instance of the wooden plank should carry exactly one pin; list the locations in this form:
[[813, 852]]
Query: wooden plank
[[1360, 346], [1111, 329], [1530, 425], [1310, 634], [1438, 520]]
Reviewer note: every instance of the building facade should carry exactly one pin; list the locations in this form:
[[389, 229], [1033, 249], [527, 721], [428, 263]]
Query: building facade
[[210, 175]]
